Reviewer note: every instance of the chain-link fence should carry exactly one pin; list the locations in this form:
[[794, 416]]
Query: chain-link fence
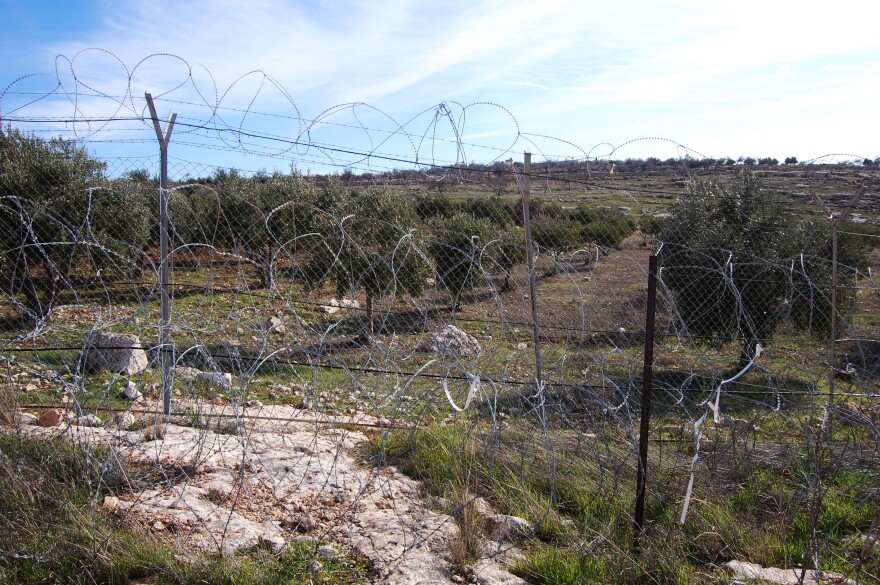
[[335, 338]]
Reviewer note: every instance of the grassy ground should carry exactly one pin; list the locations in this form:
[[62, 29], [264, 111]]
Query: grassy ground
[[53, 529], [581, 505]]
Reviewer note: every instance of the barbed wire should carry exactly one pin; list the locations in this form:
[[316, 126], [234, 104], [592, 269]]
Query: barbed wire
[[327, 333]]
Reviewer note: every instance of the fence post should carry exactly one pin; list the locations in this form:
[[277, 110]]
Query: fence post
[[837, 221], [165, 356], [647, 376], [526, 188]]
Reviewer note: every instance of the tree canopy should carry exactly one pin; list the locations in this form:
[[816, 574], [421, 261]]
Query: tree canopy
[[739, 265]]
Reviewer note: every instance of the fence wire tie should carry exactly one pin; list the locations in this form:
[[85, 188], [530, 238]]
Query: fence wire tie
[[716, 408], [475, 387], [716, 415]]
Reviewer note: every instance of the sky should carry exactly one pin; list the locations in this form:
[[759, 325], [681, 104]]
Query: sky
[[319, 84]]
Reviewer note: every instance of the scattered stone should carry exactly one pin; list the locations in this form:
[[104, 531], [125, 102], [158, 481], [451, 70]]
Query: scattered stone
[[117, 352], [158, 526], [753, 571], [504, 528], [305, 523], [51, 418], [276, 325], [333, 306], [483, 507], [122, 421], [274, 541], [213, 379], [328, 552], [254, 404], [315, 566], [27, 418], [450, 341], [131, 392], [216, 379], [349, 304], [458, 579], [89, 420]]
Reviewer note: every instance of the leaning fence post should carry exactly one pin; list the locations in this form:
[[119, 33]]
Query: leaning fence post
[[646, 400], [526, 188], [164, 326]]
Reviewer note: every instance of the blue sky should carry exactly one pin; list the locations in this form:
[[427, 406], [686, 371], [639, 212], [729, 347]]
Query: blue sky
[[563, 78]]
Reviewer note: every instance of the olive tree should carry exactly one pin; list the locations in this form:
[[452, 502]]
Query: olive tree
[[61, 219], [467, 249], [607, 228], [262, 217], [557, 236], [366, 241], [738, 266]]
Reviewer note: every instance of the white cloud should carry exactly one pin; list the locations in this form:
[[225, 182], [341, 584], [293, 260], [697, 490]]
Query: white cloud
[[531, 84], [586, 71]]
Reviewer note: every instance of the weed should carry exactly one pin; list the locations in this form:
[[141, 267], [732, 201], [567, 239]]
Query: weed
[[464, 546], [155, 430]]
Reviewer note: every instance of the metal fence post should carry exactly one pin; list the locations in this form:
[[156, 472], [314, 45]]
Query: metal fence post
[[647, 376], [527, 224], [837, 222], [165, 356]]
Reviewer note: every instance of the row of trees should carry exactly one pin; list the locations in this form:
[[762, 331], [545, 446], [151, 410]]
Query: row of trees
[[65, 222], [738, 265], [500, 175]]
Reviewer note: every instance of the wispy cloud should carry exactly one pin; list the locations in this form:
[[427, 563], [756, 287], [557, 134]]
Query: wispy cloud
[[585, 71], [526, 84]]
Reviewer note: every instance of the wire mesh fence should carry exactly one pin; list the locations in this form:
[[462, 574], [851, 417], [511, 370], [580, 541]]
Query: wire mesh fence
[[334, 338]]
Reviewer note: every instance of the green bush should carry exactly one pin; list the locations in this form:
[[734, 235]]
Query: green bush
[[507, 251], [265, 217], [428, 207], [495, 209], [606, 228], [460, 253], [556, 235]]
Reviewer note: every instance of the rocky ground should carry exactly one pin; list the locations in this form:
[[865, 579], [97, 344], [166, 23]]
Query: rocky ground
[[234, 476]]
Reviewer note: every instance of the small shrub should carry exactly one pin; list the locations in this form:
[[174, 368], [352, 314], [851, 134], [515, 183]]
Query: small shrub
[[495, 209]]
